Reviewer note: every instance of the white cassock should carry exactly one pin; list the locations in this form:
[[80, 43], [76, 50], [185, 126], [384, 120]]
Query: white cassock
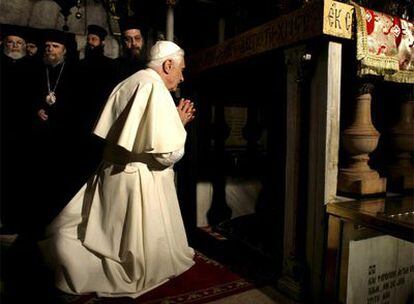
[[122, 234]]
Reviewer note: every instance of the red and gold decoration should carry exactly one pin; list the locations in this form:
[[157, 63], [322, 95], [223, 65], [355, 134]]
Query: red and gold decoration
[[385, 45]]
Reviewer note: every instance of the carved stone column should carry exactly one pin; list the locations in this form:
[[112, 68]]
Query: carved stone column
[[360, 139], [169, 23], [402, 172], [293, 278], [322, 159]]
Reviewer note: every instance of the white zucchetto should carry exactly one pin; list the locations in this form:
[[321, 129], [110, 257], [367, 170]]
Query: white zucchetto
[[163, 49]]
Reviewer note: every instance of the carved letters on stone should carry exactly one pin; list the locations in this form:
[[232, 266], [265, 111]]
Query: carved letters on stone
[[338, 18], [287, 29], [381, 270], [316, 19]]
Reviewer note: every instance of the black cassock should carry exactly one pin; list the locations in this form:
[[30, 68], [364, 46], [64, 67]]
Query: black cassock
[[98, 78], [57, 165], [126, 66], [15, 86]]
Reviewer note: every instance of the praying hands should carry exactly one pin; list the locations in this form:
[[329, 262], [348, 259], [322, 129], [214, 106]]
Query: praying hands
[[186, 111]]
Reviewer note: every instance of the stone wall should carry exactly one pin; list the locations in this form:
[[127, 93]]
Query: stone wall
[[45, 14]]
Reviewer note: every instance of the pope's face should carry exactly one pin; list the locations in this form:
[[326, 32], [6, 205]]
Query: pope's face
[[54, 52], [176, 75]]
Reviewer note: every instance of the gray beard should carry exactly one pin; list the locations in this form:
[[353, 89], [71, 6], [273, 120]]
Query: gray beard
[[14, 55], [53, 62]]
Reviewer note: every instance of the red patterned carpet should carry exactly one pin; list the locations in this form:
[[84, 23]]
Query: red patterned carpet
[[206, 281]]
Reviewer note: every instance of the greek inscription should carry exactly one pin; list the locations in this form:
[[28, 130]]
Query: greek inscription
[[381, 285], [280, 32], [373, 299], [372, 290], [401, 281], [334, 16], [337, 21], [371, 269], [348, 20]]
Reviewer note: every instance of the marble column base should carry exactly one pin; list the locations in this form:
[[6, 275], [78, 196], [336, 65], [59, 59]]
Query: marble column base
[[370, 183]]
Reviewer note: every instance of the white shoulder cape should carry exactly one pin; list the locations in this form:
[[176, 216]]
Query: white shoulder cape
[[140, 116]]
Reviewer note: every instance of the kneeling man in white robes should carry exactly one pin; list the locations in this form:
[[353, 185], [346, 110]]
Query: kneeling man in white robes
[[122, 234]]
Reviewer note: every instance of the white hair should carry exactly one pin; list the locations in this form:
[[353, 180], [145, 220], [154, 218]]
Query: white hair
[[177, 57]]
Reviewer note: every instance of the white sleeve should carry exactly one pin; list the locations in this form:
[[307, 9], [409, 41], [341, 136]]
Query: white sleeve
[[169, 159]]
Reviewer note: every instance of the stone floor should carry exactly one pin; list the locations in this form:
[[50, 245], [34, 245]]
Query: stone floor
[[225, 252]]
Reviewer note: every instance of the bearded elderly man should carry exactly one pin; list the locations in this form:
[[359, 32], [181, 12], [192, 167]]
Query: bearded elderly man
[[97, 75], [122, 234], [55, 136], [15, 83], [134, 49]]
